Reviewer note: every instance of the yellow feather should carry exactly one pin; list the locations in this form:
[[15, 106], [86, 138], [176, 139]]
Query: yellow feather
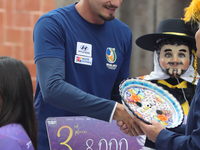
[[192, 13]]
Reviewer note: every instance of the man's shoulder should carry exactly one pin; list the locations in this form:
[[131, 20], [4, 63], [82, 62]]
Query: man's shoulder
[[62, 11], [120, 23], [119, 27]]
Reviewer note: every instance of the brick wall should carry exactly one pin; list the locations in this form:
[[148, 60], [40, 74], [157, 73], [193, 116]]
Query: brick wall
[[17, 20]]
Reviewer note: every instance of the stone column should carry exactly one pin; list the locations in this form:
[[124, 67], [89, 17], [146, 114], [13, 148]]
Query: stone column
[[139, 15]]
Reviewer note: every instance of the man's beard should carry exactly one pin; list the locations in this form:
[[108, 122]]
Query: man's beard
[[109, 18]]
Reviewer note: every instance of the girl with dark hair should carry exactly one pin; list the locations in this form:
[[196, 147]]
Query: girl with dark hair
[[18, 128]]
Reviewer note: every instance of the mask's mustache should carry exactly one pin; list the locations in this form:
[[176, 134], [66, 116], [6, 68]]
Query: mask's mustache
[[175, 63]]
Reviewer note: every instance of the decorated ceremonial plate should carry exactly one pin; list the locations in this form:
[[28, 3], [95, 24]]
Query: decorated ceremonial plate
[[148, 101]]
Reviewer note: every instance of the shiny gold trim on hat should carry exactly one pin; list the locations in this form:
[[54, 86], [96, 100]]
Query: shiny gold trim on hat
[[175, 33]]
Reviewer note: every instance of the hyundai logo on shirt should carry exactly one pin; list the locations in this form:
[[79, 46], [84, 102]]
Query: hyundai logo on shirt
[[84, 49]]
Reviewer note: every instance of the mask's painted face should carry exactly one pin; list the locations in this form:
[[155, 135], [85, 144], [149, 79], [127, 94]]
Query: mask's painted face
[[174, 60]]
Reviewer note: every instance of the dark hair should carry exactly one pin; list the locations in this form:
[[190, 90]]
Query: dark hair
[[172, 41], [16, 94]]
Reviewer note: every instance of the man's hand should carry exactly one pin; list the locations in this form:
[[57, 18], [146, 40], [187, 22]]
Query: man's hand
[[123, 127], [127, 121], [152, 130]]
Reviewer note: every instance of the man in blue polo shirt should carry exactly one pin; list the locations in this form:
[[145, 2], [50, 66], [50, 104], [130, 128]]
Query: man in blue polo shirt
[[82, 53]]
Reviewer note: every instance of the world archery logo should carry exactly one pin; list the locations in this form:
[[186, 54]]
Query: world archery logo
[[111, 55]]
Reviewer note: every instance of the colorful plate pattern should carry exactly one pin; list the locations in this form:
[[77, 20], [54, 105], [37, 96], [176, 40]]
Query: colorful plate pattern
[[148, 101]]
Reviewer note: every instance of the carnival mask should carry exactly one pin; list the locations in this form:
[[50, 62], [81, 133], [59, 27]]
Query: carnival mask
[[174, 59]]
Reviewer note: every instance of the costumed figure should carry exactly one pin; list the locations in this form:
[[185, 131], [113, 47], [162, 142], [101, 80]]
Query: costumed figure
[[175, 61]]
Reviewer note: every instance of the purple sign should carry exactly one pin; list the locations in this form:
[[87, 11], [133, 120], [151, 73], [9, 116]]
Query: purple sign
[[84, 133]]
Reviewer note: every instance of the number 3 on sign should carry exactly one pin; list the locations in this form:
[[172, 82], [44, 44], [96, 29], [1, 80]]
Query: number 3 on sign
[[70, 136]]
